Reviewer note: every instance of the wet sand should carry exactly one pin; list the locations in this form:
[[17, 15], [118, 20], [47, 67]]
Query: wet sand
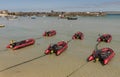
[[72, 62]]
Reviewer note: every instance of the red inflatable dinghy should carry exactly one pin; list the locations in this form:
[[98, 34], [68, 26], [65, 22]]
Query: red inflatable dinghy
[[105, 38], [78, 35], [57, 48], [21, 44], [104, 55], [49, 33]]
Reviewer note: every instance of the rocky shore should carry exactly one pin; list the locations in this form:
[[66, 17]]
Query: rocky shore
[[51, 13]]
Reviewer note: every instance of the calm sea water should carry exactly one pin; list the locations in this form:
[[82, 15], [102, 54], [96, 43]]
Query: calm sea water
[[24, 27]]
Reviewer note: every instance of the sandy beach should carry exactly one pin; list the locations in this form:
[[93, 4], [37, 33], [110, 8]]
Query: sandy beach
[[30, 62]]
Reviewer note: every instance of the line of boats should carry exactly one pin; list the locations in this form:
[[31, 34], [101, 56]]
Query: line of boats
[[103, 55]]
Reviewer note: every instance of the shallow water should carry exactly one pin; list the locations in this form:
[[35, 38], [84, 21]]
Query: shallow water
[[74, 57]]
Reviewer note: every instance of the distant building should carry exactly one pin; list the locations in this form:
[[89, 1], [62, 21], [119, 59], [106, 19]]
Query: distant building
[[4, 13]]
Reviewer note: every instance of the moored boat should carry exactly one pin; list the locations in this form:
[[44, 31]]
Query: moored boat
[[105, 38], [104, 55], [49, 33], [56, 48], [21, 44], [78, 35], [72, 18], [33, 17], [1, 25]]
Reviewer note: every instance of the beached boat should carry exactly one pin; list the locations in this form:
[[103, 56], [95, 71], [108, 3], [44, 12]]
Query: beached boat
[[49, 33], [105, 38], [56, 48], [1, 25], [104, 55], [21, 44], [78, 35], [72, 18]]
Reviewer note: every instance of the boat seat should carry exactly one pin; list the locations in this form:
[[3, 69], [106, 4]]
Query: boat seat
[[104, 55]]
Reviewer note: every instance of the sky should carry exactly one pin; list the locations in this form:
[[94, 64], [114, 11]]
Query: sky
[[60, 5]]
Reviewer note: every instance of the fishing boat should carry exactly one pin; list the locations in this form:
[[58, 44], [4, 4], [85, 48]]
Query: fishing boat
[[21, 44], [78, 35], [104, 55], [49, 33], [105, 38], [72, 18], [56, 48]]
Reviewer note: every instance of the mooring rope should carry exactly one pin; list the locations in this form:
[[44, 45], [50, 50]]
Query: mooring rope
[[38, 38], [78, 68], [69, 40], [3, 50], [13, 66]]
